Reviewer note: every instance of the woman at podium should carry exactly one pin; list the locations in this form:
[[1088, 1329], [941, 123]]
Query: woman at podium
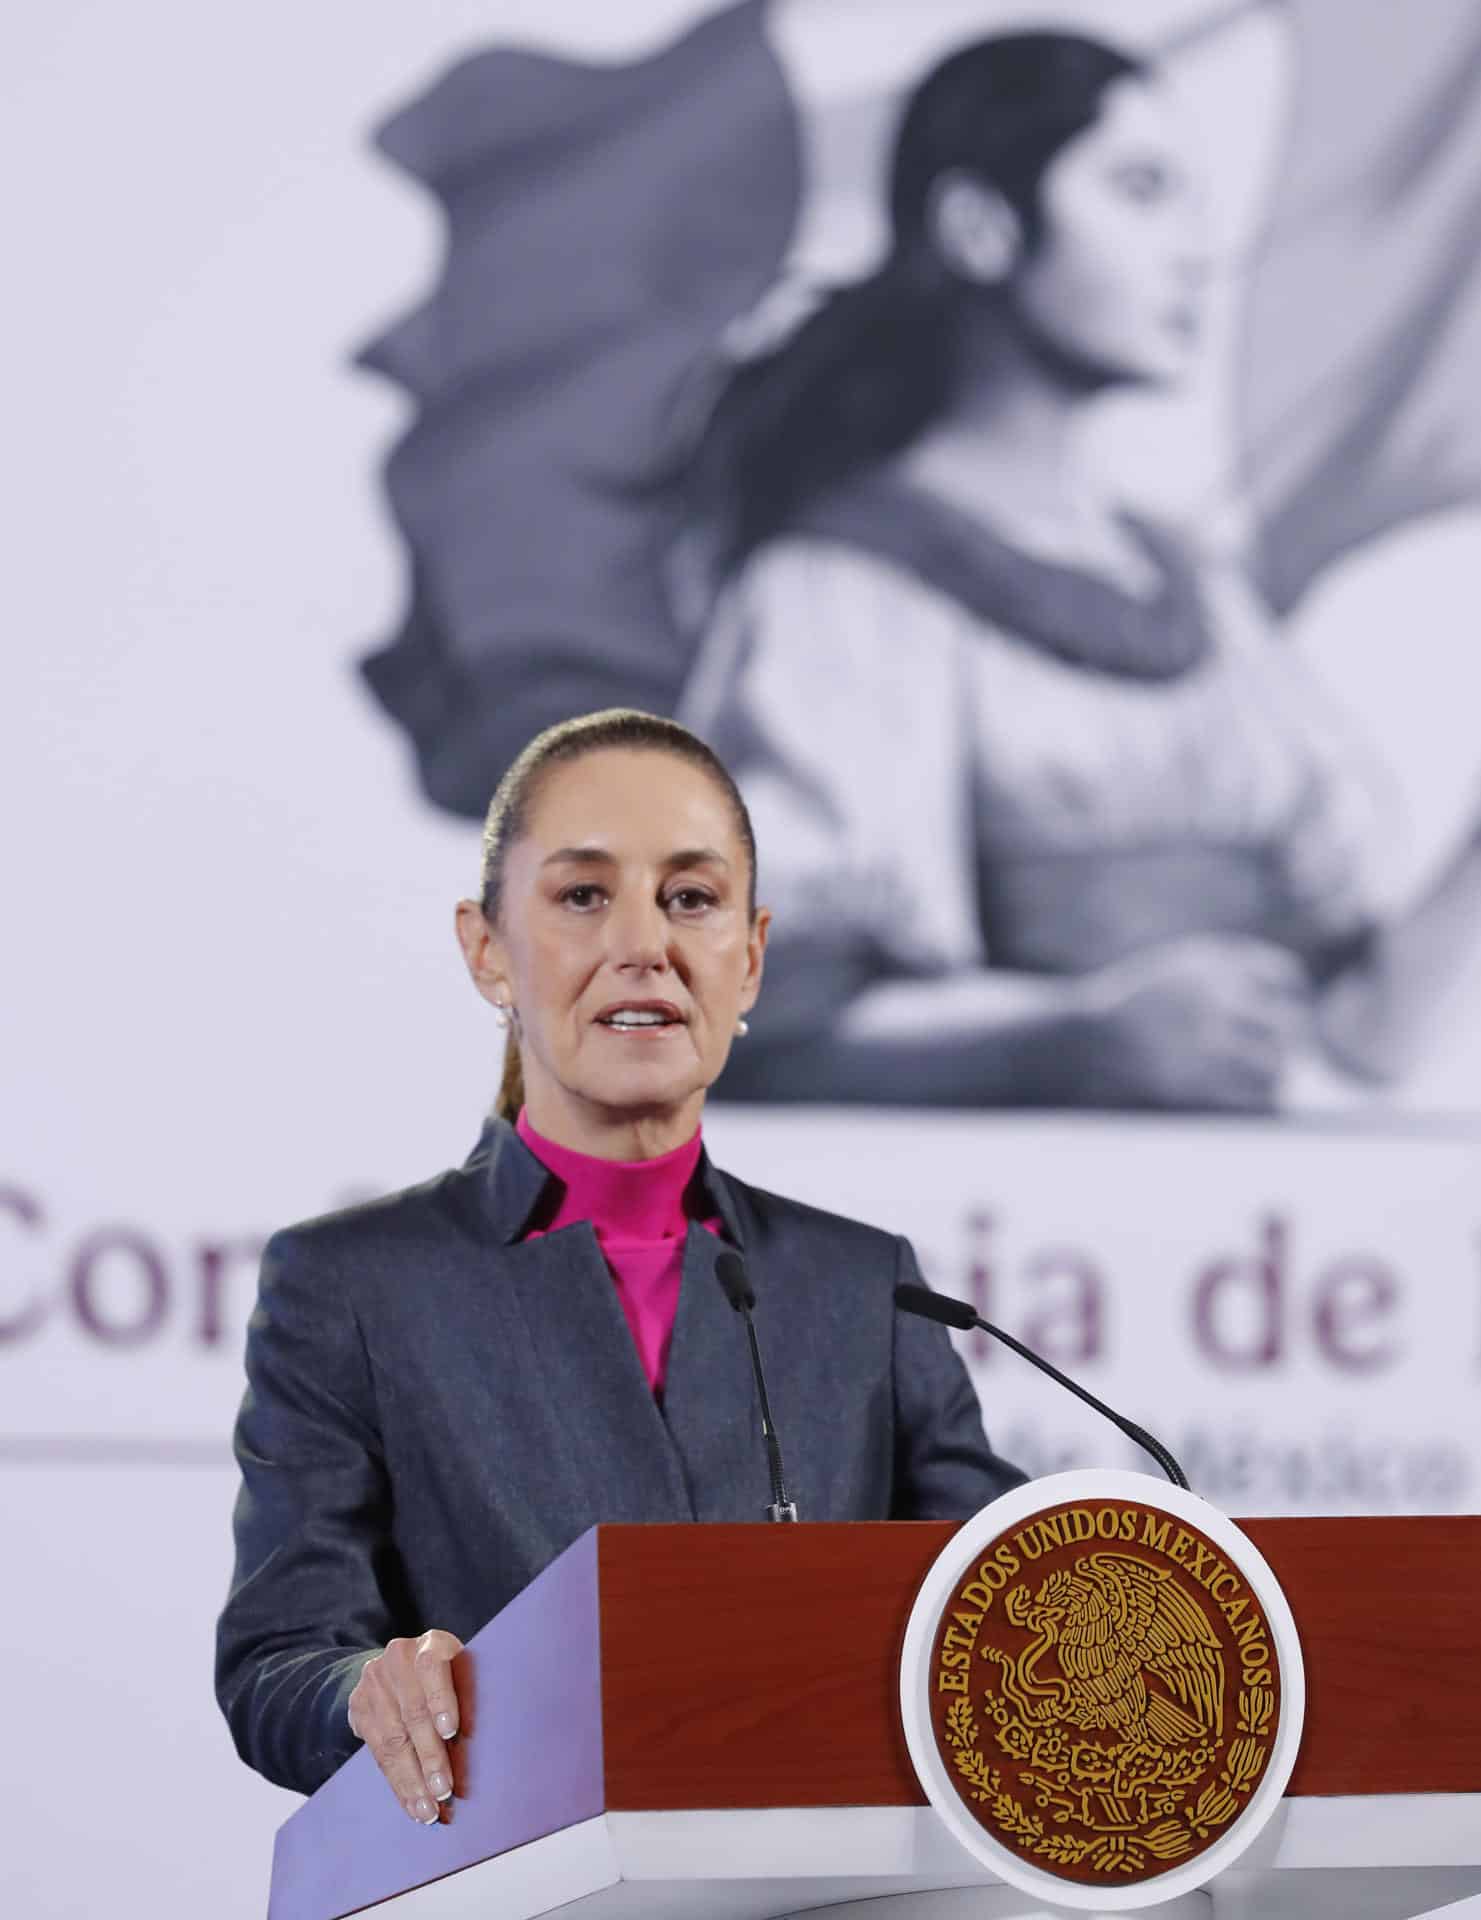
[[449, 1385]]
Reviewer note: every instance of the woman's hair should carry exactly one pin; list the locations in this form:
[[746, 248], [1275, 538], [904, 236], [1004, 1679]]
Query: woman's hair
[[874, 365], [509, 812]]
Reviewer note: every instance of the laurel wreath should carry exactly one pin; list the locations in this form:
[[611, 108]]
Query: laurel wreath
[[982, 1781], [1256, 1704], [1168, 1840]]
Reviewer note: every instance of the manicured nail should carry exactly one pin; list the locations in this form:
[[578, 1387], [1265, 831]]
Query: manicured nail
[[445, 1725], [425, 1811], [441, 1786]]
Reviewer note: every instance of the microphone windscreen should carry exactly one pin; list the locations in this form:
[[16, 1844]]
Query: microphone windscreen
[[935, 1306], [730, 1271]]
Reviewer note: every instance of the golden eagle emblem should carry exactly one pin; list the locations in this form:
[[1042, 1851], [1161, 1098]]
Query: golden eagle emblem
[[1108, 1718], [1113, 1623]]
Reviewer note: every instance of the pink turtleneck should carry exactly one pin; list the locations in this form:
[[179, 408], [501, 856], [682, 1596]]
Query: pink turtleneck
[[637, 1210]]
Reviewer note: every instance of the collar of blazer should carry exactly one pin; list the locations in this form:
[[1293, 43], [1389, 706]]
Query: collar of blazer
[[511, 1181]]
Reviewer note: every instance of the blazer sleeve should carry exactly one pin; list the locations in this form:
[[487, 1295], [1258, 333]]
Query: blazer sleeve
[[306, 1608], [945, 1468]]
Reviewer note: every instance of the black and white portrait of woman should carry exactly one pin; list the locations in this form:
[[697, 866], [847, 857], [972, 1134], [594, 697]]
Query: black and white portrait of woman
[[1056, 811]]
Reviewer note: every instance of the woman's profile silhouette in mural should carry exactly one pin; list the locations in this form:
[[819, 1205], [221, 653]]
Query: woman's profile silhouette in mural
[[1052, 815]]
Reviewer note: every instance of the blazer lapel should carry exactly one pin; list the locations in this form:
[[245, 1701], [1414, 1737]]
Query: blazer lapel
[[613, 1448], [702, 1457]]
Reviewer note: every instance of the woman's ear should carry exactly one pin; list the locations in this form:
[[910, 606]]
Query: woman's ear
[[975, 231], [483, 953], [755, 957]]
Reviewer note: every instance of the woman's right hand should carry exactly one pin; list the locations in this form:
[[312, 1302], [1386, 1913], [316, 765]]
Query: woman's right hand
[[1204, 1022], [405, 1708]]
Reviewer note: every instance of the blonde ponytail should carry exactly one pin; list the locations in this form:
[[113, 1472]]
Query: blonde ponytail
[[511, 1083]]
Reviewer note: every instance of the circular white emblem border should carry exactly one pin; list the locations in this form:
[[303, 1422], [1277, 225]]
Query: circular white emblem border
[[951, 1566]]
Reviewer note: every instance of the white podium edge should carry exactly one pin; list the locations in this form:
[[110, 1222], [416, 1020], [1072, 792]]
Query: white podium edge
[[822, 1855]]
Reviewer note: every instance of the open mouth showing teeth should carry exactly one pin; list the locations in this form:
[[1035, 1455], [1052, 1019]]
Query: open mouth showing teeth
[[626, 1018]]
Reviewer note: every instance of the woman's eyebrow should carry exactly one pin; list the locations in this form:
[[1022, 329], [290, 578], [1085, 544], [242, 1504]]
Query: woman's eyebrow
[[579, 856], [603, 857], [696, 857]]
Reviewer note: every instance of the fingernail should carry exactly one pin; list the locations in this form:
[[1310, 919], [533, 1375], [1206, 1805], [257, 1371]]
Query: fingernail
[[425, 1811], [446, 1725], [441, 1786]]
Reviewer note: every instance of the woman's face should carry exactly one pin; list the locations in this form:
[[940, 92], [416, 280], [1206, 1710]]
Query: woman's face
[[625, 942], [1114, 286]]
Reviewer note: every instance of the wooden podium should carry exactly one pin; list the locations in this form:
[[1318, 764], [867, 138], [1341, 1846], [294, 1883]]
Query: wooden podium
[[702, 1723]]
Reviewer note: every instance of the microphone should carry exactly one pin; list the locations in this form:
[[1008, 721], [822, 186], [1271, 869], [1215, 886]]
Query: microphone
[[731, 1273], [956, 1313]]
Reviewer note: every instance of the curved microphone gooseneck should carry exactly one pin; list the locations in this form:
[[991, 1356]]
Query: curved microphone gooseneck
[[956, 1313]]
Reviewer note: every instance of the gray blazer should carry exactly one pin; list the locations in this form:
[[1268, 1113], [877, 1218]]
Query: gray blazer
[[436, 1408]]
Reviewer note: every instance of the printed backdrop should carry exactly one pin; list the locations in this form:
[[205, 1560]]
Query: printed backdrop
[[253, 699]]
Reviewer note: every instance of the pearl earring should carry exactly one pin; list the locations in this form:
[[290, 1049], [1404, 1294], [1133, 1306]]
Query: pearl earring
[[742, 1028], [503, 1013]]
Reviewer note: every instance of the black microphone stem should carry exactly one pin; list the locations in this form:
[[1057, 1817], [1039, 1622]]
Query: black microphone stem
[[950, 1312], [1130, 1428], [731, 1273], [781, 1507]]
